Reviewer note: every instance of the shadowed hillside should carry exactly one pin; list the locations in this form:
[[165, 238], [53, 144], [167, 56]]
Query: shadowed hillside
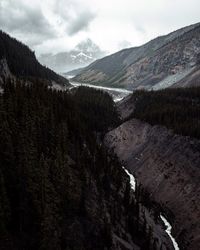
[[21, 61]]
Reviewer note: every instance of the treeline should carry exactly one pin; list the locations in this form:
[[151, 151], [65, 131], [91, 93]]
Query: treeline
[[22, 61], [177, 109], [56, 181]]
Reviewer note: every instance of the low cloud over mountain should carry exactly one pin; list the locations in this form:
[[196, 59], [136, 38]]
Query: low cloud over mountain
[[83, 54]]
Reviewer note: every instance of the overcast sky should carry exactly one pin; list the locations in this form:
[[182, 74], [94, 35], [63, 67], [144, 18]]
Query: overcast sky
[[58, 25]]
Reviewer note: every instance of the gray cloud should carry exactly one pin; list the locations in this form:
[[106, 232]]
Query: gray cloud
[[80, 23], [23, 20], [57, 25], [140, 28], [74, 15], [124, 44], [36, 23]]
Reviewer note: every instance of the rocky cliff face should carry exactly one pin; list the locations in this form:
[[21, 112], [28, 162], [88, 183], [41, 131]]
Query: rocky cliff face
[[4, 71], [167, 165], [158, 64]]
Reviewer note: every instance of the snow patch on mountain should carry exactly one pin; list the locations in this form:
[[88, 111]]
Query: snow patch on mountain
[[82, 55]]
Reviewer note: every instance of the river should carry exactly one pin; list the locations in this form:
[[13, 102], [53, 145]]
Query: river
[[165, 221], [117, 93]]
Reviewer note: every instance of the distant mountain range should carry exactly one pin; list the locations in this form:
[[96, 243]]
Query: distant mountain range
[[168, 60], [82, 55], [18, 61]]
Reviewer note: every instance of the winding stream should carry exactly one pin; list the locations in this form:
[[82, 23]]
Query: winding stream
[[168, 231], [132, 179], [118, 94], [167, 224]]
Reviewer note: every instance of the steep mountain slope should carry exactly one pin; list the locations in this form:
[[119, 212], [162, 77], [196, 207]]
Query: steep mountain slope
[[16, 59], [168, 58], [165, 163], [191, 80], [177, 109], [82, 55], [74, 72], [59, 189]]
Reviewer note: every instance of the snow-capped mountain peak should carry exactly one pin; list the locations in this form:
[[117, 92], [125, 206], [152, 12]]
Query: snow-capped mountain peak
[[82, 55]]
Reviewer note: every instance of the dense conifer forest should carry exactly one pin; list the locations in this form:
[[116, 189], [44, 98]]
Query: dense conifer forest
[[63, 184], [46, 147], [177, 109], [59, 188], [22, 61]]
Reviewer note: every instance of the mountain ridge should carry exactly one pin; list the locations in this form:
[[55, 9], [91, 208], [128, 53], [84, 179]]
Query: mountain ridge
[[81, 55], [17, 60], [146, 65]]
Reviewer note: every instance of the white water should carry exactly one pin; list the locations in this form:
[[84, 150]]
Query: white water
[[76, 84], [168, 231], [167, 224], [132, 179]]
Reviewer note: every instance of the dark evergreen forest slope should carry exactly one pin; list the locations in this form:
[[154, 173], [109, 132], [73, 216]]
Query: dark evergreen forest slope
[[49, 161], [22, 62], [59, 189], [177, 109]]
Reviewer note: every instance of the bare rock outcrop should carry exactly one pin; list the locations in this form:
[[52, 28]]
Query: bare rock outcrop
[[4, 70], [168, 166]]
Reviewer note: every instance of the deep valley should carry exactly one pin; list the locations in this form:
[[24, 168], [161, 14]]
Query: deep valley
[[108, 160]]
